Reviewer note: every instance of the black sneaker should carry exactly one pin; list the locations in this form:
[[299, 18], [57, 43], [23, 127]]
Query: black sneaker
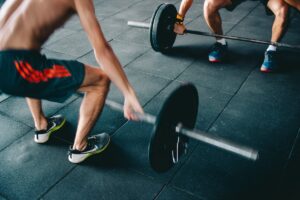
[[54, 124], [270, 62], [96, 144], [217, 53]]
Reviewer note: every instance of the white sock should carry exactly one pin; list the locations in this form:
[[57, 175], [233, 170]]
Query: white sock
[[222, 41], [272, 48]]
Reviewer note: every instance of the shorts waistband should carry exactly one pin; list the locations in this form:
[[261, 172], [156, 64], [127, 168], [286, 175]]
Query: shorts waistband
[[19, 51]]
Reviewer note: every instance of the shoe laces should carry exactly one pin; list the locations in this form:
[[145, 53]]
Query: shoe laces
[[270, 55], [218, 47]]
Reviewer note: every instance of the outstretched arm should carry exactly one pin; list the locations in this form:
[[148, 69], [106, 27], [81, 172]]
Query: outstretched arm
[[105, 55]]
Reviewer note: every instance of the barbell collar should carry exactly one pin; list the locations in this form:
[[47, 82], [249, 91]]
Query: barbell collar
[[243, 151]]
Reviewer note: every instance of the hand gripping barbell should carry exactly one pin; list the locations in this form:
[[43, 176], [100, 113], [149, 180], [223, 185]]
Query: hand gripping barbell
[[162, 36], [174, 125]]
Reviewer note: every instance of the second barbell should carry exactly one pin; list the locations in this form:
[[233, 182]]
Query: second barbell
[[162, 36]]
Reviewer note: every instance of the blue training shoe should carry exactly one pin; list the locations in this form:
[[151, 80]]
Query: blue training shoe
[[270, 63], [217, 52]]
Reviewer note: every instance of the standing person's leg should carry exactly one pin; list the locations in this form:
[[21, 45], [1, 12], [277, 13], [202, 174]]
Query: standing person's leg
[[43, 127], [213, 19], [95, 86], [280, 10], [35, 106]]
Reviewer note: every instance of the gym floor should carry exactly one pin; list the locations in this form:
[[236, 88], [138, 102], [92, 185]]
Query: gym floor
[[237, 102]]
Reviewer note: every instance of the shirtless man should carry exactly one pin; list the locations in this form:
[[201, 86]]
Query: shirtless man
[[214, 21], [24, 27]]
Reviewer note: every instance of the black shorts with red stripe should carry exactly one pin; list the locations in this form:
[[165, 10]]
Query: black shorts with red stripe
[[28, 73]]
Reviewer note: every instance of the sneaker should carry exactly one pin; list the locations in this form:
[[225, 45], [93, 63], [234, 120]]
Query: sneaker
[[96, 144], [269, 63], [217, 53], [54, 124]]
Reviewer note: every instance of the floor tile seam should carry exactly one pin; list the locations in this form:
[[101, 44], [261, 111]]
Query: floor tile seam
[[160, 191], [14, 119], [3, 196], [146, 103], [124, 66], [297, 140], [64, 54], [154, 75], [6, 99], [30, 127], [147, 20], [81, 56], [51, 43], [142, 54], [187, 192], [163, 77], [121, 10], [15, 141], [240, 21], [114, 133], [57, 182], [182, 164], [230, 99]]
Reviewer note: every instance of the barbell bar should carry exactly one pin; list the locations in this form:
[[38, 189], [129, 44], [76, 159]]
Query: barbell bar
[[176, 128], [166, 27]]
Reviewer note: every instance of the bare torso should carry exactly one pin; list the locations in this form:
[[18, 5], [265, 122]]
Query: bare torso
[[32, 22]]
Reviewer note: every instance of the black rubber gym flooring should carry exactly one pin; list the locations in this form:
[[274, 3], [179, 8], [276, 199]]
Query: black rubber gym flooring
[[237, 102]]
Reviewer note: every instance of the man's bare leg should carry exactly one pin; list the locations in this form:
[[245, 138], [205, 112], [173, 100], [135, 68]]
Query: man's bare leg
[[214, 22], [35, 106], [280, 10], [212, 16], [95, 86]]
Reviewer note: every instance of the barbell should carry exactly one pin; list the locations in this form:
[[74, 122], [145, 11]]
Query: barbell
[[174, 125], [162, 36]]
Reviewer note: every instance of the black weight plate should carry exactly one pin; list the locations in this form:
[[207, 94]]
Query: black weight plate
[[180, 107], [162, 36]]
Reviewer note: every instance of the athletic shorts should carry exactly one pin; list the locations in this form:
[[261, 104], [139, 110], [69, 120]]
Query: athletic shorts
[[28, 73]]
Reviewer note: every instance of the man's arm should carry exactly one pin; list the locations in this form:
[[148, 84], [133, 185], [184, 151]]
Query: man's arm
[[185, 5], [104, 53], [7, 9]]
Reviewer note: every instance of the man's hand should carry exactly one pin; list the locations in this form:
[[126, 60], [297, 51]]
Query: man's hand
[[179, 28], [132, 106]]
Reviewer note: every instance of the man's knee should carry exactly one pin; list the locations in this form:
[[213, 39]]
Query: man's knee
[[211, 6], [280, 9], [104, 82]]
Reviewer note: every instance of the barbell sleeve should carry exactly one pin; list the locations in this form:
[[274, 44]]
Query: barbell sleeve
[[142, 117], [138, 24], [218, 142]]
